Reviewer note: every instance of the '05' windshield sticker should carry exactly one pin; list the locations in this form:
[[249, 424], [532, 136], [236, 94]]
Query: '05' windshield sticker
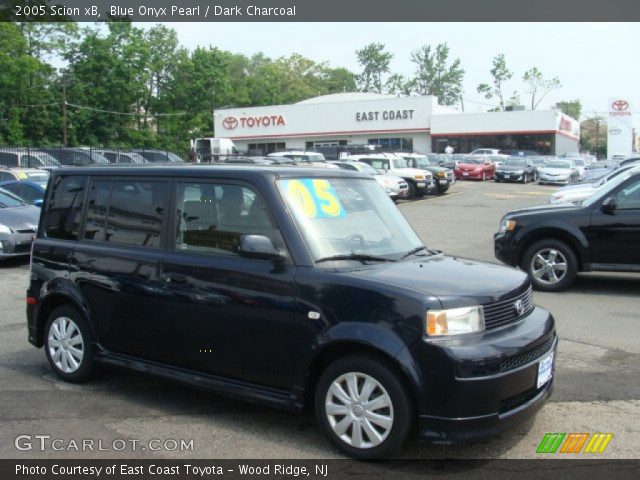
[[313, 198]]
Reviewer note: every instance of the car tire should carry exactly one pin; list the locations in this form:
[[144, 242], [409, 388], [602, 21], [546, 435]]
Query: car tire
[[496, 179], [68, 345], [551, 265], [442, 190], [394, 412]]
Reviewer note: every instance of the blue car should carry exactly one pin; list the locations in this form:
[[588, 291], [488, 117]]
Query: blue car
[[31, 192]]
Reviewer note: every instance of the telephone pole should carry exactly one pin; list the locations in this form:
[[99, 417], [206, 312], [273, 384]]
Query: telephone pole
[[64, 111]]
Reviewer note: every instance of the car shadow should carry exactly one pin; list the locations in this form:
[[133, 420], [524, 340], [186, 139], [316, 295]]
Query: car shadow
[[619, 284], [13, 262]]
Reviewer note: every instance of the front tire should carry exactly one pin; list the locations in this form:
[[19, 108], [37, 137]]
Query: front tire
[[412, 190], [551, 265], [364, 407], [68, 345]]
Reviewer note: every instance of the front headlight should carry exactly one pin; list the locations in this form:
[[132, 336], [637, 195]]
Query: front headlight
[[4, 228], [441, 174], [454, 321], [507, 225], [419, 177]]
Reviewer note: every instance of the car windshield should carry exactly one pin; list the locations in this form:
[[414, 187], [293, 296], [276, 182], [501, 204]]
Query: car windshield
[[47, 160], [423, 162], [363, 167], [474, 161], [579, 162], [347, 216], [399, 163], [605, 188], [538, 161], [8, 199], [558, 164], [515, 162]]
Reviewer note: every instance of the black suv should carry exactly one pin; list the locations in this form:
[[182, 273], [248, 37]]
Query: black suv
[[287, 286], [552, 243]]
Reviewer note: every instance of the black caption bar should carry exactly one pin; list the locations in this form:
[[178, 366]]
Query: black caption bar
[[319, 10], [318, 469]]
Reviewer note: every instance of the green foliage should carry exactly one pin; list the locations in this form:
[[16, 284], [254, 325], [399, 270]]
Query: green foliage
[[374, 61], [537, 86], [435, 77], [500, 73], [573, 108]]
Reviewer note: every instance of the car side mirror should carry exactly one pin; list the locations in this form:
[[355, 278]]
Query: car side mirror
[[609, 206], [259, 246], [38, 202]]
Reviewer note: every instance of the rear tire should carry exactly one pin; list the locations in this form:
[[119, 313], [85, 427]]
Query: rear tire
[[551, 265], [373, 418], [68, 345]]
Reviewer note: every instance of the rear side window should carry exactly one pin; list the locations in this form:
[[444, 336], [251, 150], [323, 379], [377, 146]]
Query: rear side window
[[64, 209], [8, 159], [96, 224], [136, 212]]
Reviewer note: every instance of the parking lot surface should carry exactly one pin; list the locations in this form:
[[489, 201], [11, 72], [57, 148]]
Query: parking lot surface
[[597, 386]]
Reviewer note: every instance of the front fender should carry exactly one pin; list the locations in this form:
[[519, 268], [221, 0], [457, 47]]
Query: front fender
[[554, 228]]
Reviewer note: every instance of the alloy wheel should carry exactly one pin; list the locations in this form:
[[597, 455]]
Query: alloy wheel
[[65, 344], [549, 266], [359, 410]]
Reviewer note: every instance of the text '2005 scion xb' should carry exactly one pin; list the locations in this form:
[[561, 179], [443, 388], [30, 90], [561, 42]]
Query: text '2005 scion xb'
[[286, 286]]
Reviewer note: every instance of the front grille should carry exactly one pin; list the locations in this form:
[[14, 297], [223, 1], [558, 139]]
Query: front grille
[[504, 312], [519, 399], [528, 356]]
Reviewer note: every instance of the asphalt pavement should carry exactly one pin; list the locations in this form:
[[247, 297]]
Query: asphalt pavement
[[597, 386]]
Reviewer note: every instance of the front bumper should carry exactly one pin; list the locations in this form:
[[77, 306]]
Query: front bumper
[[505, 249], [480, 386], [509, 176], [15, 244], [553, 180], [471, 175]]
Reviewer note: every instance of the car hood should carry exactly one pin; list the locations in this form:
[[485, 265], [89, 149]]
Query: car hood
[[575, 195], [410, 172], [556, 171], [557, 207], [511, 168], [20, 218], [453, 280], [469, 166]]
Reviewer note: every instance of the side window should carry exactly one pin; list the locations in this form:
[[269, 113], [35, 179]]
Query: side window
[[211, 218], [8, 159], [96, 223], [29, 161], [62, 217], [31, 193], [136, 212], [629, 197]]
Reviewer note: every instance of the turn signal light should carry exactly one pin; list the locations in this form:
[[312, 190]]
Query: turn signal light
[[31, 301]]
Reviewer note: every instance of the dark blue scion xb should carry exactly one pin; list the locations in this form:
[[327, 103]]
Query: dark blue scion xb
[[291, 287]]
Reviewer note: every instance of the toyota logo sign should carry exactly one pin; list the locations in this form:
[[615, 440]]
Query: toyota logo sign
[[230, 123], [615, 131], [519, 306], [620, 105]]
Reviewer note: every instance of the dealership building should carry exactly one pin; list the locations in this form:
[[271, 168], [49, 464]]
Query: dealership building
[[407, 123]]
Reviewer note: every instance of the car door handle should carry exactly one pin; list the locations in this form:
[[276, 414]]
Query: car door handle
[[176, 278]]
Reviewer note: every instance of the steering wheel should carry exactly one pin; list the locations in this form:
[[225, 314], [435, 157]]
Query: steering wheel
[[354, 237]]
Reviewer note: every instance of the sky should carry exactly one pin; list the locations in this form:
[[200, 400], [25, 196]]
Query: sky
[[594, 61]]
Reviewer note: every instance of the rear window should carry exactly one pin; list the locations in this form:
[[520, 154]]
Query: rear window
[[63, 211]]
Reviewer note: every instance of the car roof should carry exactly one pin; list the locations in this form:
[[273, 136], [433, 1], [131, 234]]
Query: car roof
[[206, 171]]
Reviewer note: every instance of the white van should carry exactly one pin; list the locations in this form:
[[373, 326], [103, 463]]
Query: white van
[[211, 149]]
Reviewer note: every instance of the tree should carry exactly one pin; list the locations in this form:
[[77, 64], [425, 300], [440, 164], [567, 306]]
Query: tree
[[374, 61], [537, 86], [593, 135], [573, 108], [398, 85], [500, 74], [434, 77]]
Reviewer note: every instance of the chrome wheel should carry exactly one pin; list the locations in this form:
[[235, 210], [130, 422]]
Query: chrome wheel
[[65, 344], [359, 410], [549, 266]]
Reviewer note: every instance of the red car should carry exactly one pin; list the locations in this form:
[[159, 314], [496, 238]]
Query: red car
[[476, 169]]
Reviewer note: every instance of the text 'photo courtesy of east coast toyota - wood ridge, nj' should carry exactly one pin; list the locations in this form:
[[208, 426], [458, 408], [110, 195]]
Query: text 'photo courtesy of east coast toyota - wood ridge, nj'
[[279, 238]]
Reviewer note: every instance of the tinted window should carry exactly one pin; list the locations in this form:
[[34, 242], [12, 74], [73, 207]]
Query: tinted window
[[136, 212], [211, 218], [8, 159], [8, 199], [629, 197], [65, 207], [95, 226]]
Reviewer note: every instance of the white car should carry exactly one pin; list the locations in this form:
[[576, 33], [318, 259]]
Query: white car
[[313, 159], [558, 172], [420, 181], [581, 166], [395, 187], [582, 191], [485, 151]]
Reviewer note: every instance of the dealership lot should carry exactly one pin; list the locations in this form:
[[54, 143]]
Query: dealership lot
[[597, 376]]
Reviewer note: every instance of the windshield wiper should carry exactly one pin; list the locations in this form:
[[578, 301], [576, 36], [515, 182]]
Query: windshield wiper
[[355, 256], [416, 250]]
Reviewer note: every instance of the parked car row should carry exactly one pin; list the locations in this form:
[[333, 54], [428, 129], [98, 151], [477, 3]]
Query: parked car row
[[54, 157]]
